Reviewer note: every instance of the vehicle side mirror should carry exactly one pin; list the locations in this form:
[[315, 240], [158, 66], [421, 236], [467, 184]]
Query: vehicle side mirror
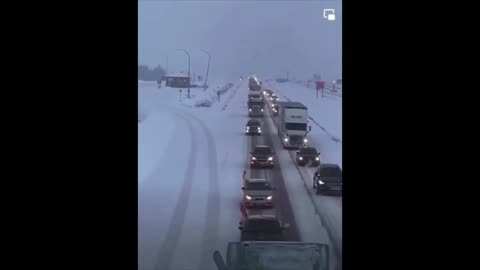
[[309, 128], [243, 188], [219, 262], [240, 228]]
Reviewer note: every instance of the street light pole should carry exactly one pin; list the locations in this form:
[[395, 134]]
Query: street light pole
[[188, 69], [208, 68], [166, 66]]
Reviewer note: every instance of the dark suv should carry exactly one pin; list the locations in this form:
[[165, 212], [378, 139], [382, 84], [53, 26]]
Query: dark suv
[[253, 127], [261, 156], [306, 155], [262, 228], [328, 179]]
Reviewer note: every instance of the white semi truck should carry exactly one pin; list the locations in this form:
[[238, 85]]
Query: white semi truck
[[292, 124]]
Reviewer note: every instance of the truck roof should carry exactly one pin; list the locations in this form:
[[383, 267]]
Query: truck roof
[[248, 255], [292, 104]]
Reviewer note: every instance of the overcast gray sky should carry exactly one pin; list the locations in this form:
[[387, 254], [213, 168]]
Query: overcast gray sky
[[267, 38]]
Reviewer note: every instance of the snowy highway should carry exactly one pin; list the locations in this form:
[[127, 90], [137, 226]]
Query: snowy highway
[[328, 208], [282, 208], [191, 163]]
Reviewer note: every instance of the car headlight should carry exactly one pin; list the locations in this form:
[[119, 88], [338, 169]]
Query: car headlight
[[305, 140], [286, 139], [270, 158], [317, 158], [273, 105], [248, 197], [301, 158], [261, 110], [321, 182], [253, 158], [248, 127], [249, 110], [269, 198]]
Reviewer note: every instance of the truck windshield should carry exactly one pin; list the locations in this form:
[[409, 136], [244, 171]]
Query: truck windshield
[[296, 126]]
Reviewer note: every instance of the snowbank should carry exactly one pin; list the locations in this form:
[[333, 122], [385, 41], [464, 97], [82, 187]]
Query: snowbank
[[207, 98], [154, 135]]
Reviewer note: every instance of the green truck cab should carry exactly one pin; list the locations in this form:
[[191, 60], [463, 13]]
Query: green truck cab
[[273, 255]]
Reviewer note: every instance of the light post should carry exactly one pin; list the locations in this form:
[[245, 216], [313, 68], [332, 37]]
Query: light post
[[188, 70], [208, 67]]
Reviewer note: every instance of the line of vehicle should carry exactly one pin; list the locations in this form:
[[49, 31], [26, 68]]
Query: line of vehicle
[[283, 205], [326, 225]]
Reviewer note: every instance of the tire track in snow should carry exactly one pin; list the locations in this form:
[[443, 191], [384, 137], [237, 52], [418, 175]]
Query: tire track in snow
[[213, 206], [330, 228], [166, 253]]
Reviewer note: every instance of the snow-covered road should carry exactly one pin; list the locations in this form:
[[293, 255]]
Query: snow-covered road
[[191, 161], [189, 181], [327, 208]]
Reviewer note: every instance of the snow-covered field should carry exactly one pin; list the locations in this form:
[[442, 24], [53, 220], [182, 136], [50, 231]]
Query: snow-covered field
[[191, 160]]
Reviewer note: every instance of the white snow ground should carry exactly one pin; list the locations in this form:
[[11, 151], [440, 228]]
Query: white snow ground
[[190, 170], [191, 161]]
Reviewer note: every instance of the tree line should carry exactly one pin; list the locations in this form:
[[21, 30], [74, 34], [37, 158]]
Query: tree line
[[147, 74]]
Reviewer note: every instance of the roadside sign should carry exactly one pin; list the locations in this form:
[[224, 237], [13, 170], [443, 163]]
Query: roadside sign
[[320, 85]]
